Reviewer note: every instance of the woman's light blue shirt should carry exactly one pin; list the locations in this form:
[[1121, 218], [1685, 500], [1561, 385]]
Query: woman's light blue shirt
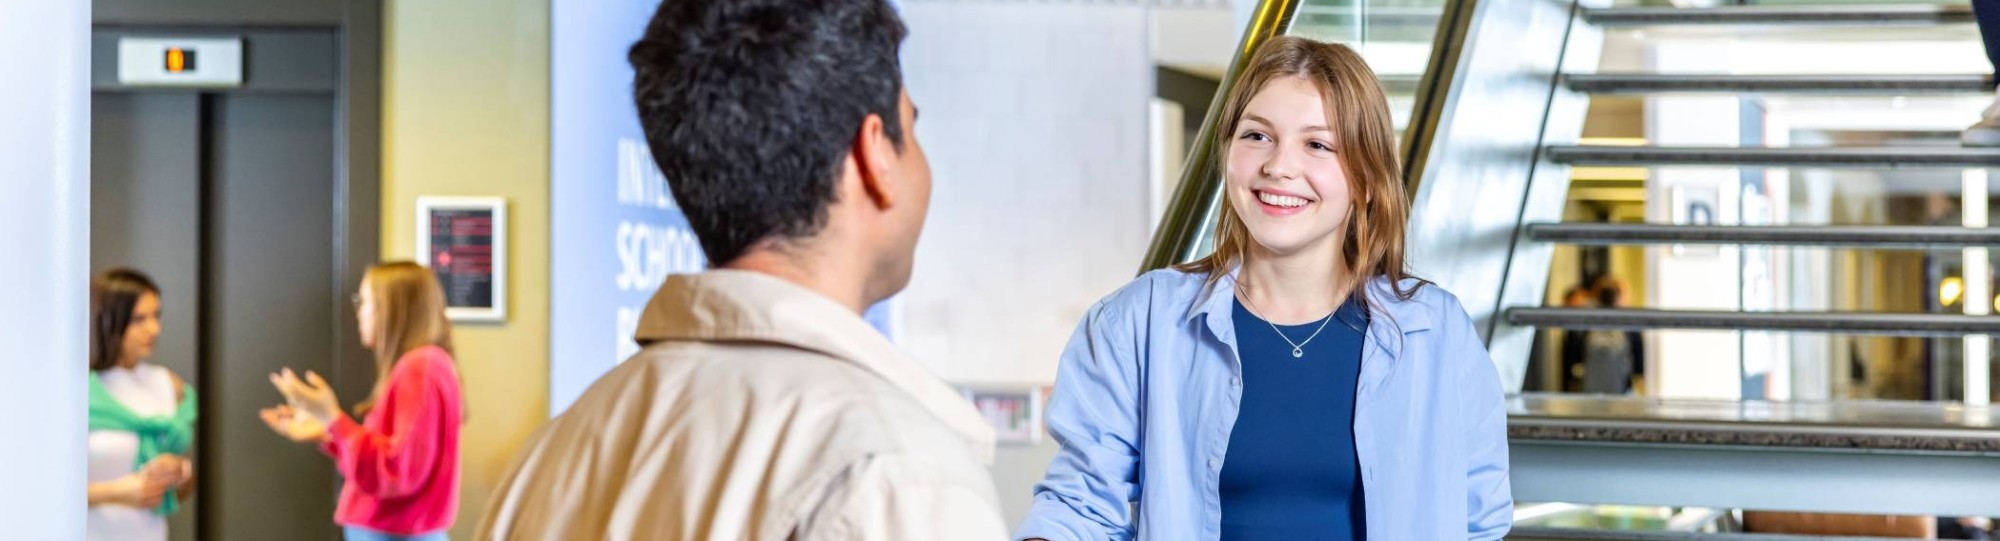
[[1149, 388]]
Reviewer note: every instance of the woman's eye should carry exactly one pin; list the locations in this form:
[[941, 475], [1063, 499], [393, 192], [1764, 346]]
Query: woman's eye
[[1254, 136], [1316, 145]]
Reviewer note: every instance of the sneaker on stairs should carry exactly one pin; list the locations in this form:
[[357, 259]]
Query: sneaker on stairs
[[1987, 132]]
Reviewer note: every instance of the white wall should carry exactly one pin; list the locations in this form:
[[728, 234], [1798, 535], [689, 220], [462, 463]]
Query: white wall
[[45, 212], [1199, 40], [1693, 364], [1035, 119]]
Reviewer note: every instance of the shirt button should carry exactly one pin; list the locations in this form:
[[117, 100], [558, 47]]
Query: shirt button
[[1235, 382], [1211, 463]]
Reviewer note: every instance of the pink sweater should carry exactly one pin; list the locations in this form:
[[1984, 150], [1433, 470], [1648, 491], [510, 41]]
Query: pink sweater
[[401, 462]]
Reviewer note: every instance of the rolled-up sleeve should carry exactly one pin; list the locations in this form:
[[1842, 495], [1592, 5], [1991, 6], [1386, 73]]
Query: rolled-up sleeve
[[1094, 417], [404, 456]]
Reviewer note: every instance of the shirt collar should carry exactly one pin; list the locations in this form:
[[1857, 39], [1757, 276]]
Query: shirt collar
[[737, 306]]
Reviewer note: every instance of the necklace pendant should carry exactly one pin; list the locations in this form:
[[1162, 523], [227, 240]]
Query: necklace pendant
[[1297, 352]]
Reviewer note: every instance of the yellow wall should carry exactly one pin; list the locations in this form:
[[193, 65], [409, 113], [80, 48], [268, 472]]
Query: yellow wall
[[466, 112]]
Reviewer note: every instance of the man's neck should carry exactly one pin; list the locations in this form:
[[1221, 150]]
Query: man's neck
[[801, 267]]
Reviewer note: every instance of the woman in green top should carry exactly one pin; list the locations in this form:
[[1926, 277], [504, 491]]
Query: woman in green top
[[141, 415]]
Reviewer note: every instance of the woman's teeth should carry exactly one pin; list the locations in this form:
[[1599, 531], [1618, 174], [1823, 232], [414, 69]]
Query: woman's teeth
[[1281, 200]]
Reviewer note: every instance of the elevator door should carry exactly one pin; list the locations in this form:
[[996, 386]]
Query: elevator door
[[227, 198]]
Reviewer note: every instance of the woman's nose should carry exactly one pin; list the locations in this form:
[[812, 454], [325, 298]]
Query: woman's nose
[[1281, 165]]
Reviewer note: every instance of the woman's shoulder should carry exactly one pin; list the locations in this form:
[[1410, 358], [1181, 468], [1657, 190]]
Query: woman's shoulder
[[1161, 287], [173, 381], [1429, 294], [429, 354], [1172, 280], [1157, 298], [153, 375], [1423, 302], [426, 362]]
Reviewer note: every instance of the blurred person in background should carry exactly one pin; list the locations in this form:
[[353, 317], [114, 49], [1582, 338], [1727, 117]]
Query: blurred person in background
[[1573, 344], [141, 415], [1980, 528], [401, 461], [1987, 132], [1612, 357]]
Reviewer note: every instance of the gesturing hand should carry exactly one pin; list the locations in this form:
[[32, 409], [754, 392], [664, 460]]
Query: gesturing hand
[[143, 489], [173, 469], [311, 396], [289, 423]]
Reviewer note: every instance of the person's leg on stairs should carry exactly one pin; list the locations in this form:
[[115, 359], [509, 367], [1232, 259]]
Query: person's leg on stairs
[[1987, 131]]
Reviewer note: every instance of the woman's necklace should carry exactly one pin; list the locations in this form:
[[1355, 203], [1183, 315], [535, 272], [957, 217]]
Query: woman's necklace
[[1298, 348]]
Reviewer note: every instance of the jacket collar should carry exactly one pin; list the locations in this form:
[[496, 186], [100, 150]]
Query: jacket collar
[[745, 306]]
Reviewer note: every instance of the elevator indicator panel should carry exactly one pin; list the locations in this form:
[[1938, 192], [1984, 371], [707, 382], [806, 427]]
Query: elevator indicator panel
[[180, 61]]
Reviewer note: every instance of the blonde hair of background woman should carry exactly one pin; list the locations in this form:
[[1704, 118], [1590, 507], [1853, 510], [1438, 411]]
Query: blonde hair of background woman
[[409, 315]]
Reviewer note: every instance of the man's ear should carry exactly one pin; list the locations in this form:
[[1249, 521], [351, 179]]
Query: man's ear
[[875, 159]]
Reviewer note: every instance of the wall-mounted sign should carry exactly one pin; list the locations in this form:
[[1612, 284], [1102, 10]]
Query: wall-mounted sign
[[464, 242], [615, 232], [1698, 206], [182, 62]]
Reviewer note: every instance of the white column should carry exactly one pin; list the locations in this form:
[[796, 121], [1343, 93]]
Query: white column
[[45, 214], [1978, 288], [1703, 364]]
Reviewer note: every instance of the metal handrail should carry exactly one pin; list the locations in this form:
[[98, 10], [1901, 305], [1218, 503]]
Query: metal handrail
[[1640, 83], [1799, 15], [1577, 534], [1803, 157], [1861, 323], [1876, 237]]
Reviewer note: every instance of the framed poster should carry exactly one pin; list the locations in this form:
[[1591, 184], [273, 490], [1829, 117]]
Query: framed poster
[[463, 240], [1698, 206], [1014, 413]]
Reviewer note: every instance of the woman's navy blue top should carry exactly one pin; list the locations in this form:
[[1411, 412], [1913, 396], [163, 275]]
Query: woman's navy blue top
[[1290, 471]]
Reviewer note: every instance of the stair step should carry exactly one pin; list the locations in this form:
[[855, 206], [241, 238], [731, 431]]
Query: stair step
[[1574, 534], [1859, 323], [1642, 83], [1787, 15], [1874, 237], [1813, 157], [1875, 425]]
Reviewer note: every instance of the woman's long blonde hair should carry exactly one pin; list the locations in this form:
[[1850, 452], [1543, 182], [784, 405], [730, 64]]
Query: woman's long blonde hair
[[409, 315], [1365, 140]]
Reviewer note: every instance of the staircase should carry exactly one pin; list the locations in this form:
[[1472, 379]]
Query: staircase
[[1869, 237], [1841, 456], [1878, 237]]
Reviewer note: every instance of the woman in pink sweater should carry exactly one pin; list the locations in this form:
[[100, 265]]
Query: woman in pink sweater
[[401, 460]]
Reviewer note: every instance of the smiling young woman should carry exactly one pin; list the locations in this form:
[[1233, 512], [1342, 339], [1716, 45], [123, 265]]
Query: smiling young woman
[[1297, 383]]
